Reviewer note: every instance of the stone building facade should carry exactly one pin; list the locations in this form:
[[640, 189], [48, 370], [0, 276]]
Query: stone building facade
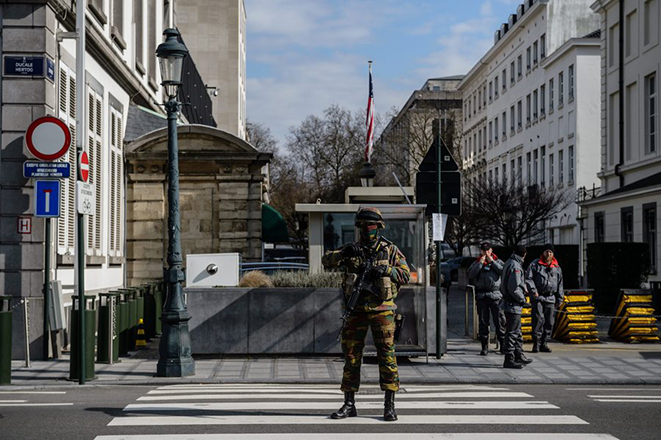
[[220, 198]]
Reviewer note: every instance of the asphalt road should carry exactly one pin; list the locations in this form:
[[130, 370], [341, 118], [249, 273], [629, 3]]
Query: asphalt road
[[300, 412]]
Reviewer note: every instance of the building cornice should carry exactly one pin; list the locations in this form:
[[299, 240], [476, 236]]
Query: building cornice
[[625, 195], [600, 5], [568, 46]]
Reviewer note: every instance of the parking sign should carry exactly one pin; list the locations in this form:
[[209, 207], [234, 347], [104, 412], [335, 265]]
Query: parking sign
[[47, 198]]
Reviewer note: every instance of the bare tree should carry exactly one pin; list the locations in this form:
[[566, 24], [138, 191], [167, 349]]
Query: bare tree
[[509, 213]]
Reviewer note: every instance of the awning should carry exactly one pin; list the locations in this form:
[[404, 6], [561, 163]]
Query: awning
[[274, 227]]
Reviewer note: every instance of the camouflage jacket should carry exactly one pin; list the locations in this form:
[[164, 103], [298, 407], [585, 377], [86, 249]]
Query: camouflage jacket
[[387, 255]]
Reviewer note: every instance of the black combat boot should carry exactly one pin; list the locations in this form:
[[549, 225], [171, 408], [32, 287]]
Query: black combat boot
[[522, 359], [349, 407], [544, 348], [389, 414], [485, 348], [510, 362], [501, 343], [535, 346]]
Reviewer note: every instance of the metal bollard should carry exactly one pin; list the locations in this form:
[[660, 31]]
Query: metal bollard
[[123, 322], [89, 308], [5, 340], [108, 340]]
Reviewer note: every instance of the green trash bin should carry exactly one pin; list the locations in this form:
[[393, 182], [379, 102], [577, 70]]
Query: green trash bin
[[90, 328], [5, 340], [140, 305], [150, 311], [133, 318], [108, 339], [159, 300], [123, 322]]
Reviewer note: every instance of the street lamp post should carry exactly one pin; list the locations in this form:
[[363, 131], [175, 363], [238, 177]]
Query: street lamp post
[[367, 175], [175, 358]]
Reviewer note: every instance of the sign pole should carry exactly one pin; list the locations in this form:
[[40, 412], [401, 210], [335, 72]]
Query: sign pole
[[439, 250], [47, 265], [80, 148]]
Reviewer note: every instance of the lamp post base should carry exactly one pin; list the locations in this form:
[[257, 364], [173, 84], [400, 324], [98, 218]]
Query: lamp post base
[[175, 358]]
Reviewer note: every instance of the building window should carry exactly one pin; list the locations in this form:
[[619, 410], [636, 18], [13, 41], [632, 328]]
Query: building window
[[649, 232], [551, 169], [117, 23], [504, 172], [490, 91], [519, 68], [95, 151], [632, 30], [495, 87], [480, 139], [651, 25], [542, 46], [479, 99], [490, 132], [599, 230], [626, 220], [651, 114], [570, 169], [542, 99], [613, 44], [151, 42], [139, 47], [535, 165], [512, 74], [535, 102], [528, 59], [512, 118], [116, 201], [528, 109], [529, 168], [513, 171], [496, 131], [534, 53], [519, 169], [561, 167], [519, 111], [504, 80], [495, 170], [490, 176], [542, 168], [551, 95], [484, 137], [571, 82], [484, 96], [561, 85], [504, 125], [474, 104]]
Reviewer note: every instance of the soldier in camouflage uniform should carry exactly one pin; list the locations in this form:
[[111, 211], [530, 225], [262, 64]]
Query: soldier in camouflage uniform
[[372, 310]]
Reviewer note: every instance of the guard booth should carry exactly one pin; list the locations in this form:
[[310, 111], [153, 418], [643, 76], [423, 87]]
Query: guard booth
[[332, 225]]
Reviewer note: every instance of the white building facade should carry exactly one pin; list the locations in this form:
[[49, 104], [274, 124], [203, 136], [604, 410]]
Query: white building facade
[[531, 105], [627, 209]]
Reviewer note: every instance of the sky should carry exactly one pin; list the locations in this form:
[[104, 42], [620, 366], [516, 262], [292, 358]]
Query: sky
[[305, 55]]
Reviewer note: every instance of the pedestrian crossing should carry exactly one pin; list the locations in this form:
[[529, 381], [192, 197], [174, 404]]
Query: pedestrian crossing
[[297, 412]]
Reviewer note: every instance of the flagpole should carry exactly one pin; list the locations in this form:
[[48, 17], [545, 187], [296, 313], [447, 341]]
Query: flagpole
[[367, 174]]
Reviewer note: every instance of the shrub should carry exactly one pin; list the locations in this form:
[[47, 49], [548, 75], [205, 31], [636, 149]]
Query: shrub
[[615, 266], [255, 278], [305, 279]]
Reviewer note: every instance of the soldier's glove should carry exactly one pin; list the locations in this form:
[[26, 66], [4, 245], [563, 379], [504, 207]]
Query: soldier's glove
[[379, 272], [350, 250]]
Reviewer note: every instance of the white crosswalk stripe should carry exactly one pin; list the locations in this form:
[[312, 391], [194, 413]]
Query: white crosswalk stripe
[[237, 408]]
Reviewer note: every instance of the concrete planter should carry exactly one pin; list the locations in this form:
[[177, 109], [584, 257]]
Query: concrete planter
[[279, 320]]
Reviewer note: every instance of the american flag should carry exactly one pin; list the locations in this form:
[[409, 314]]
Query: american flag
[[370, 120]]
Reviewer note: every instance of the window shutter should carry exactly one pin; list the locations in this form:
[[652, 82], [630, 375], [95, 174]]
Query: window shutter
[[95, 153], [116, 184]]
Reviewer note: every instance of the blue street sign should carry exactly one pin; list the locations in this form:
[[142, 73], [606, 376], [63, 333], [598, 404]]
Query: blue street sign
[[46, 170], [47, 198], [24, 66], [50, 69]]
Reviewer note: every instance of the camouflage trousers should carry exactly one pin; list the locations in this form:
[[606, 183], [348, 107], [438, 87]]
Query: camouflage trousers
[[353, 342]]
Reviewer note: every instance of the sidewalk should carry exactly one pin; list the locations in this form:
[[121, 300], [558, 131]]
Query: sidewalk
[[605, 363]]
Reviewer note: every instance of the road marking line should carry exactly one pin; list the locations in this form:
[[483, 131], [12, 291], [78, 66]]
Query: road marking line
[[628, 400], [247, 406], [37, 404], [13, 401], [33, 392], [306, 419], [363, 436], [625, 397], [612, 389], [449, 395]]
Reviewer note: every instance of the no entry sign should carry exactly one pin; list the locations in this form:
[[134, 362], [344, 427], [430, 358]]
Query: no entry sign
[[48, 138], [84, 167]]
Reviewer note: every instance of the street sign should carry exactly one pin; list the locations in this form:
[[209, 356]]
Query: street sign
[[84, 166], [24, 66], [430, 163], [85, 198], [24, 225], [46, 170], [47, 198], [48, 138], [426, 190]]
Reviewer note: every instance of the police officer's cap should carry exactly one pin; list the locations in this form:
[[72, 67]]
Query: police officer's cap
[[485, 246]]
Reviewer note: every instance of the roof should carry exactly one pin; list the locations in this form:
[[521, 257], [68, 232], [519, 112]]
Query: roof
[[140, 121], [653, 180], [594, 34], [449, 78]]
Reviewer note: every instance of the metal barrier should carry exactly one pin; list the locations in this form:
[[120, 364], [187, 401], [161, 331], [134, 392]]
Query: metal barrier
[[470, 294], [272, 266], [5, 340]]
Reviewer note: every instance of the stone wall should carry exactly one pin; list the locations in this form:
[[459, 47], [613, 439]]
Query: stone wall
[[220, 198]]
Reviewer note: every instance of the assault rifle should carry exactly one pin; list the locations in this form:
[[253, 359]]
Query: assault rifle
[[361, 285]]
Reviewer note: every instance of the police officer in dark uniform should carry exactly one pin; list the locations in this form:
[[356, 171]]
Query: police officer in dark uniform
[[374, 309], [547, 294], [484, 274], [513, 287]]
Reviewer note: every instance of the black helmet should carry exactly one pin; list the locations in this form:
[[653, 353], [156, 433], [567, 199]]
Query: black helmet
[[370, 214]]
